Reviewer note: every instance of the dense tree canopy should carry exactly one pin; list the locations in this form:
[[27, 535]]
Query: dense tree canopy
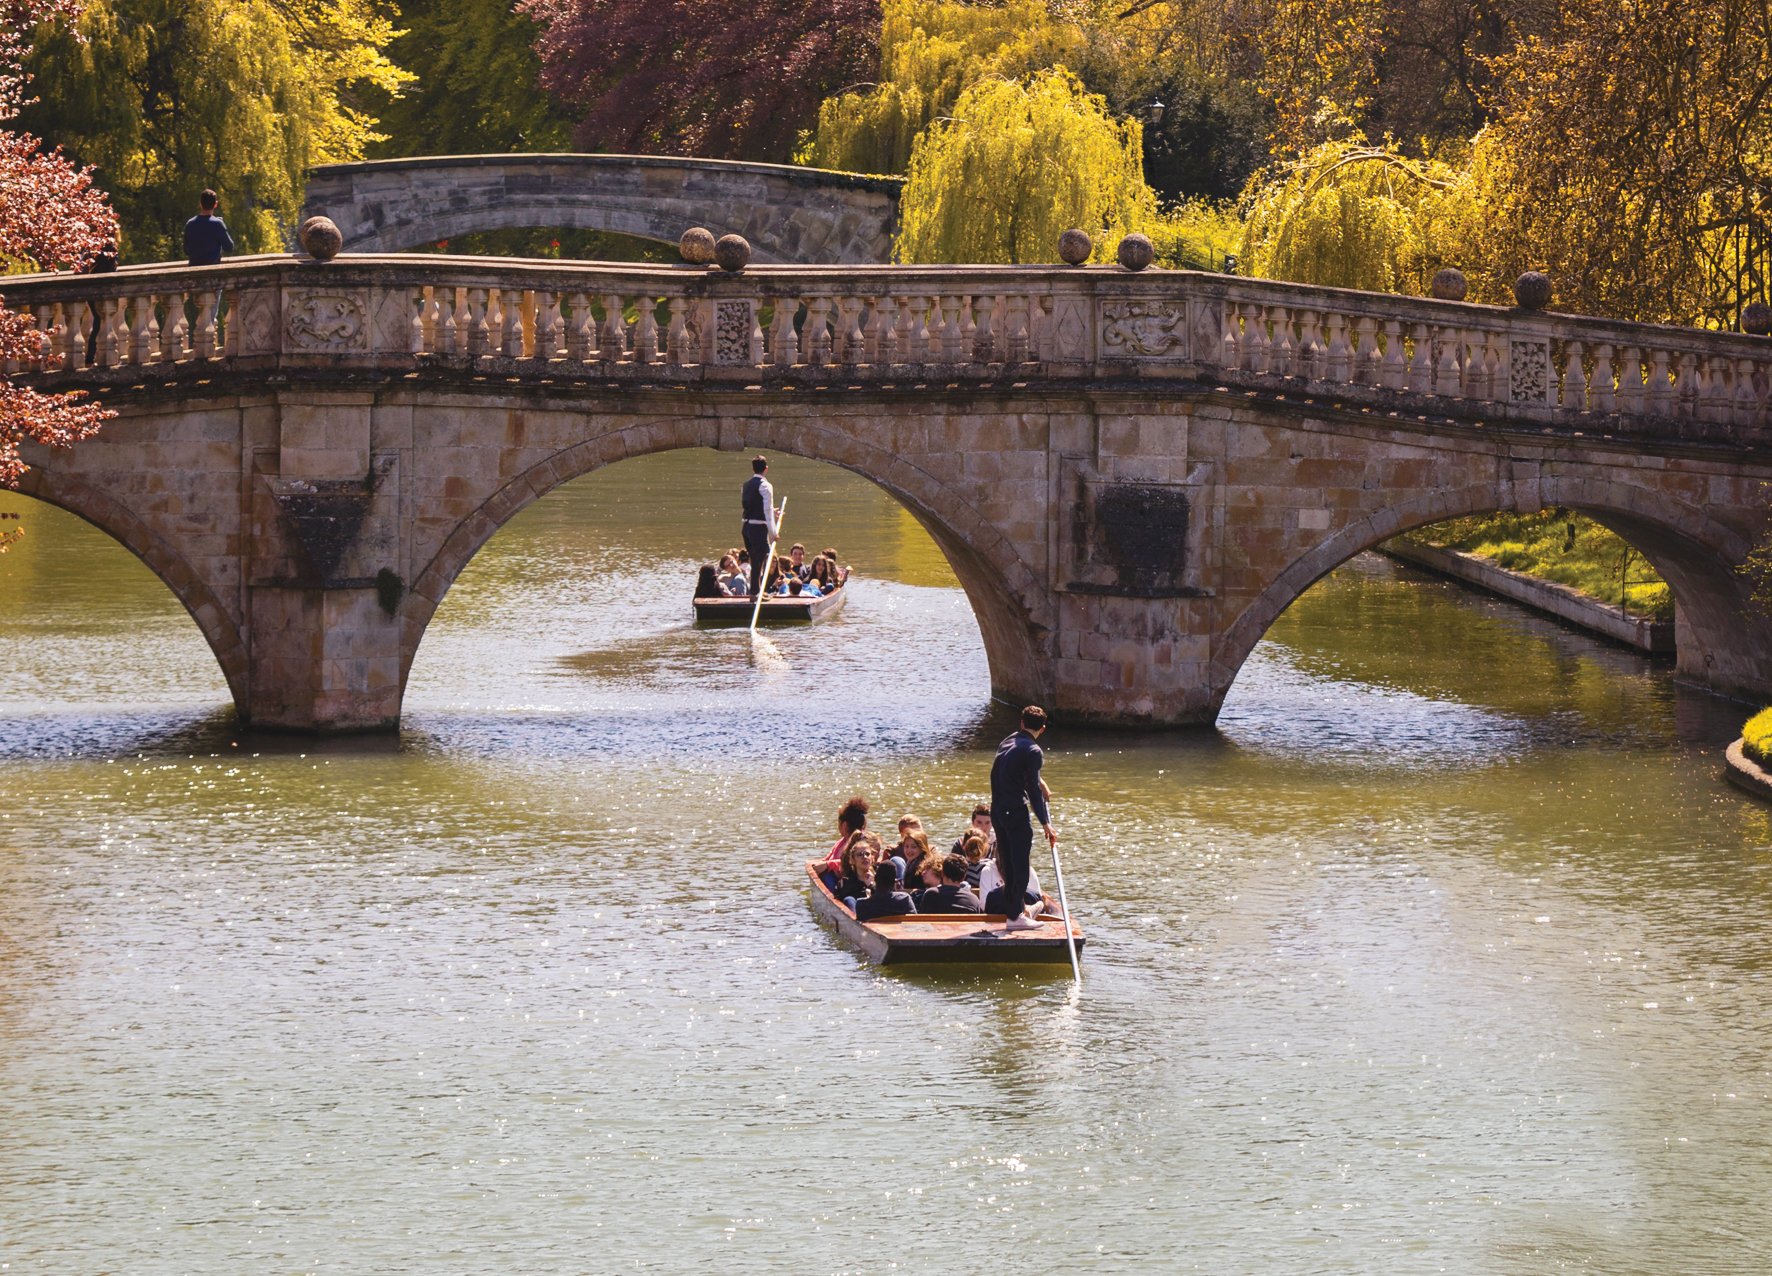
[[50, 217], [165, 97], [1019, 164], [696, 77]]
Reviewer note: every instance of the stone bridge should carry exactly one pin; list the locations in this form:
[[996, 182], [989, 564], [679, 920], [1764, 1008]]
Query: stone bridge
[[789, 214], [1132, 474]]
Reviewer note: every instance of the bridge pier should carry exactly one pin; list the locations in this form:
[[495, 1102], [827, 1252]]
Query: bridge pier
[[323, 660]]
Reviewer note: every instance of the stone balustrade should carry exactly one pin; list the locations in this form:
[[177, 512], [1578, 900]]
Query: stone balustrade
[[901, 326]]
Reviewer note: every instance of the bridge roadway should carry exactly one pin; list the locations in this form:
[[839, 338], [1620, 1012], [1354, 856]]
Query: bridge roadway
[[1132, 474]]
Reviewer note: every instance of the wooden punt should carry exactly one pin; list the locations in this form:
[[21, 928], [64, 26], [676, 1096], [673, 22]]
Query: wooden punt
[[720, 612], [943, 937]]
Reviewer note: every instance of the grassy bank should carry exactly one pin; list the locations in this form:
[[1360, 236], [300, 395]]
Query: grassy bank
[[1567, 548], [1756, 737]]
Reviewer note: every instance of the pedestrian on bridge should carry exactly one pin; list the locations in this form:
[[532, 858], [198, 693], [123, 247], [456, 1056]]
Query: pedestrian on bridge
[[206, 234]]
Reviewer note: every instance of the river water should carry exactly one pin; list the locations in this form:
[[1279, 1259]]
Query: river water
[[1447, 951]]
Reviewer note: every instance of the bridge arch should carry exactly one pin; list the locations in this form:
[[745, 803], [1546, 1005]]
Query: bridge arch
[[789, 214], [1002, 589], [116, 520], [1694, 552]]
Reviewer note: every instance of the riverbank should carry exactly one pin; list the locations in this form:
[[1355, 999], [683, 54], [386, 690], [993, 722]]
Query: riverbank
[[1656, 637]]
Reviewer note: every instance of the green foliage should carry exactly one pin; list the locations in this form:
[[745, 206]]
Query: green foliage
[[1197, 234], [165, 97], [1350, 215], [931, 51], [1569, 549], [1756, 737], [1022, 162], [477, 88]]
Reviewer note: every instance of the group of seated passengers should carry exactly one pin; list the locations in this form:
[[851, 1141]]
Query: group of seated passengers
[[793, 577], [874, 880]]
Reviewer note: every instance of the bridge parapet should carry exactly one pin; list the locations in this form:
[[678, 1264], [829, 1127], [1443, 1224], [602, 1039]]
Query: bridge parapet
[[900, 326]]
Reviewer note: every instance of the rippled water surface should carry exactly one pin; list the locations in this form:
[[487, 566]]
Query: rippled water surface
[[1446, 952]]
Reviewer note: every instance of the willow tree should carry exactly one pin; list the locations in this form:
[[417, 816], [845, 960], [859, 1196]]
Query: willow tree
[[1352, 215], [1020, 163], [931, 51], [165, 97]]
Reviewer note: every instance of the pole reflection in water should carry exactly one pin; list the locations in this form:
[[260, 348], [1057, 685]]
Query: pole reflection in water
[[1447, 949]]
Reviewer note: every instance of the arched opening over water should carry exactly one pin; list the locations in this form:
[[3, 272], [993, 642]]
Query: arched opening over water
[[579, 605], [88, 618], [1365, 655]]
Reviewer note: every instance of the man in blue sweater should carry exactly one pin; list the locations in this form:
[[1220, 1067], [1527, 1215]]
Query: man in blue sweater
[[206, 234], [1016, 787]]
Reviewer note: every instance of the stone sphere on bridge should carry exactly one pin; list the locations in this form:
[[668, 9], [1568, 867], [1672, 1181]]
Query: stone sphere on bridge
[[733, 252], [697, 246], [1074, 247], [320, 238], [1533, 290], [1756, 319], [1137, 252], [1449, 284]]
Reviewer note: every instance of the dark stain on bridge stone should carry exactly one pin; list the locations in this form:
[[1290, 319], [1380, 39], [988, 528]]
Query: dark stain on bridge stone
[[1137, 532], [325, 517]]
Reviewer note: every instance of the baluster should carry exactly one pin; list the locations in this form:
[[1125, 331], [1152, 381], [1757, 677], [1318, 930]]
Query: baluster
[[677, 336], [1599, 394], [1365, 370], [428, 318], [784, 344], [48, 346], [646, 331], [849, 323], [1630, 381], [873, 331], [984, 339], [937, 331], [459, 319], [1338, 365], [1661, 393], [1717, 396], [104, 354], [138, 347], [968, 322], [1282, 354], [1040, 328], [1310, 347], [1446, 366], [1686, 388], [78, 328], [1016, 336], [547, 325], [1473, 379], [918, 348], [815, 334], [203, 341], [753, 339], [1747, 402], [1393, 370], [953, 339], [612, 344], [1574, 382], [581, 331], [511, 343], [418, 328], [230, 339], [1421, 369], [1256, 353], [479, 335], [1232, 341]]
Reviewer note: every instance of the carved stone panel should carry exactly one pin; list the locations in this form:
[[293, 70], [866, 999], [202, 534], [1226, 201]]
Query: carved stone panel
[[733, 321], [1529, 379], [1070, 331], [1139, 328], [325, 322], [256, 322]]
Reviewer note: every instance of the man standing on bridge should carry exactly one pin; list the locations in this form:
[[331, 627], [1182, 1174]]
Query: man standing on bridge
[[206, 234], [1016, 787], [760, 520]]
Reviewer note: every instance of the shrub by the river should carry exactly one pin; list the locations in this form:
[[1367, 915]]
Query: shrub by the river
[[1756, 737], [1564, 547]]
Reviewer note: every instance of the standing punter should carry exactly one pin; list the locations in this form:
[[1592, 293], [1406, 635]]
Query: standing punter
[[1016, 787], [760, 517]]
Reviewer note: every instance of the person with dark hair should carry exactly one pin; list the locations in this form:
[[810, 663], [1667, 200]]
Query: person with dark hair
[[852, 818], [709, 585], [951, 894], [734, 581], [761, 519], [886, 899], [1017, 788], [797, 560], [981, 824], [206, 234]]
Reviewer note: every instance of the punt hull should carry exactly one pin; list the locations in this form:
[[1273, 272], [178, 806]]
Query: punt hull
[[721, 613], [958, 938]]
